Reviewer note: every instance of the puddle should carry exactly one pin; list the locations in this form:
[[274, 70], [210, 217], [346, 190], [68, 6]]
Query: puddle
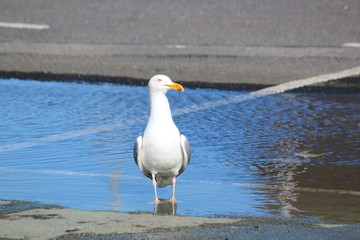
[[290, 154]]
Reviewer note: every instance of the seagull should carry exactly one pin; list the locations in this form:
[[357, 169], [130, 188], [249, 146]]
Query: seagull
[[162, 153]]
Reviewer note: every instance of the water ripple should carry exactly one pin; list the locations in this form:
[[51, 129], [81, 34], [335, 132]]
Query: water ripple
[[71, 144]]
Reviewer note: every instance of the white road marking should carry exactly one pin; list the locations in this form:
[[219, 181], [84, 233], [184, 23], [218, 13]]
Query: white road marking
[[328, 225], [64, 173], [352, 44], [176, 46], [197, 107], [307, 81], [24, 25]]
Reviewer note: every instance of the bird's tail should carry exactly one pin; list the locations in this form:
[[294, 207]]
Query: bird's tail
[[163, 181]]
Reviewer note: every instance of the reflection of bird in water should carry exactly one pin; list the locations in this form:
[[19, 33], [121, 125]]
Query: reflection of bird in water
[[165, 207], [162, 153]]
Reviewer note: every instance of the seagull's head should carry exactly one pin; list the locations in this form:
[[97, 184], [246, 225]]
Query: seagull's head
[[163, 83]]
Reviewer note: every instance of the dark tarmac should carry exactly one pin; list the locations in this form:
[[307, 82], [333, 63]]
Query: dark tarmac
[[248, 44], [250, 228]]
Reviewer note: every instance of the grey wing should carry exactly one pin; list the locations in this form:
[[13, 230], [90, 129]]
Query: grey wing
[[137, 149], [185, 147], [138, 156]]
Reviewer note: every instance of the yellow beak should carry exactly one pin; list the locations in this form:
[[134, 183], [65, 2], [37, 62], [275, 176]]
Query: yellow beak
[[175, 86]]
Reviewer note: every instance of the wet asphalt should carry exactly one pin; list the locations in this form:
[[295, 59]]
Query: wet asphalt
[[257, 231], [243, 228], [252, 228]]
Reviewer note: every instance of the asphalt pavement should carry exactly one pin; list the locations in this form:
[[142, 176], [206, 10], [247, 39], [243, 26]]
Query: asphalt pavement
[[249, 42], [26, 220]]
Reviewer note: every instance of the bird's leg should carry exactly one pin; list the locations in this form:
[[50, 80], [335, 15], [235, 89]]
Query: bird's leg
[[172, 199], [154, 184]]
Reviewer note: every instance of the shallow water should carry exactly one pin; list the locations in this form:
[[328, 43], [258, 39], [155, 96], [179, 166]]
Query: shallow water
[[289, 154]]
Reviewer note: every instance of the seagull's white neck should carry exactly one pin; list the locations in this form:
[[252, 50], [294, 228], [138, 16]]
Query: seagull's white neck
[[159, 107]]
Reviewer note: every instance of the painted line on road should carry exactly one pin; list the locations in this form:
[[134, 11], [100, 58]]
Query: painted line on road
[[307, 81], [197, 107], [13, 170], [351, 44], [24, 26]]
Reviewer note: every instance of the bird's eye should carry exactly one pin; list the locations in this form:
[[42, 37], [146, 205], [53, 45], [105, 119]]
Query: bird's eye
[[159, 80]]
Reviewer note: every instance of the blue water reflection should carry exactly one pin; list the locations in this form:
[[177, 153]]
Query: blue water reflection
[[71, 144]]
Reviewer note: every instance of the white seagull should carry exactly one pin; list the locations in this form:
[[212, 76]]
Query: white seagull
[[162, 153]]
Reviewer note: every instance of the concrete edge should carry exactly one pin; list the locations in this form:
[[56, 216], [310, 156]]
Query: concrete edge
[[347, 85], [41, 221]]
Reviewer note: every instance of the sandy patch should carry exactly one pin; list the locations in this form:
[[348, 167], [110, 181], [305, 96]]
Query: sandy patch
[[48, 223]]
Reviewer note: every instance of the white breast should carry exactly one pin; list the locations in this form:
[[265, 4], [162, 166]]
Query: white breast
[[162, 150]]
